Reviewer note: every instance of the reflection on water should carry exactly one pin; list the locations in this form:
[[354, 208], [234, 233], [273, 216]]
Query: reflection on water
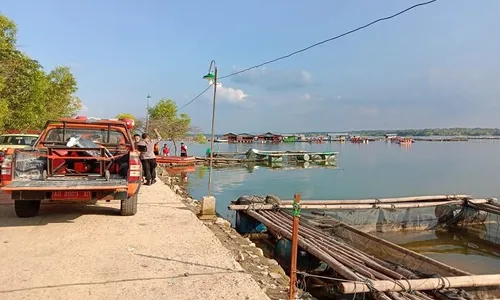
[[468, 249]]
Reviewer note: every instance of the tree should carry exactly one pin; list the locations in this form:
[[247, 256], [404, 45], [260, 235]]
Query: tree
[[171, 126], [200, 138], [138, 123], [28, 95]]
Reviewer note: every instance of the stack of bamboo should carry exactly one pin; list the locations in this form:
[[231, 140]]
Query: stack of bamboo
[[491, 206], [384, 203], [349, 263]]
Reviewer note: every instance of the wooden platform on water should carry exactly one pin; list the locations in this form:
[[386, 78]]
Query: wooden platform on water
[[364, 263]]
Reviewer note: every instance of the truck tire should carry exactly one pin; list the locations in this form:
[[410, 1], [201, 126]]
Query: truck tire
[[27, 208], [129, 207]]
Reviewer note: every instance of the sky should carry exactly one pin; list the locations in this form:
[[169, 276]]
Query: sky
[[435, 66]]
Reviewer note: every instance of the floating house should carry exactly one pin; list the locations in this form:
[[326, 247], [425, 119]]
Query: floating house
[[390, 136], [245, 138], [270, 137], [289, 138], [231, 137], [338, 137]]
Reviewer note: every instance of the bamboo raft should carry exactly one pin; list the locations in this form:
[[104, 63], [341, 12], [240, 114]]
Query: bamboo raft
[[363, 263], [355, 256], [388, 203]]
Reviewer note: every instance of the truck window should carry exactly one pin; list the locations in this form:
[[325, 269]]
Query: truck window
[[94, 135], [16, 140]]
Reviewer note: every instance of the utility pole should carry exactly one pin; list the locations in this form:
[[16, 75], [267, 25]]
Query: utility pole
[[147, 113]]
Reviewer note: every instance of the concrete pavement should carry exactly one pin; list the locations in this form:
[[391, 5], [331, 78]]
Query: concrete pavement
[[90, 252]]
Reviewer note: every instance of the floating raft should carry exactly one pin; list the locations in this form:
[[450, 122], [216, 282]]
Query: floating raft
[[256, 156], [364, 263], [386, 203]]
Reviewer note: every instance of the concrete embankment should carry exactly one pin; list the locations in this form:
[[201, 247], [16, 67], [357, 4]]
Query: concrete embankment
[[90, 252]]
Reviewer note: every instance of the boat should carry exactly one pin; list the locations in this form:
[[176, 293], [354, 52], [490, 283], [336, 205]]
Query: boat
[[176, 160], [221, 141], [405, 141]]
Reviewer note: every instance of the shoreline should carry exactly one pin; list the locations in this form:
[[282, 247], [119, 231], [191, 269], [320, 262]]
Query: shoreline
[[265, 271]]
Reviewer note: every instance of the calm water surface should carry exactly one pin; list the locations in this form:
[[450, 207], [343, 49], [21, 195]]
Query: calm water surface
[[373, 170]]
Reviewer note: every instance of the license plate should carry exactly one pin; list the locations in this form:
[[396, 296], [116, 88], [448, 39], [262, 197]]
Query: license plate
[[71, 195]]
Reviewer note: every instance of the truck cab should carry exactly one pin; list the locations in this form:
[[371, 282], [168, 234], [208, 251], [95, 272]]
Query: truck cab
[[82, 159]]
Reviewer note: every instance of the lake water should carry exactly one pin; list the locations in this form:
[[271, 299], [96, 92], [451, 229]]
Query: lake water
[[373, 170]]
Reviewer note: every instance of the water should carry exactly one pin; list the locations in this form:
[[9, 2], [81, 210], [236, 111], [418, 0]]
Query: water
[[373, 170]]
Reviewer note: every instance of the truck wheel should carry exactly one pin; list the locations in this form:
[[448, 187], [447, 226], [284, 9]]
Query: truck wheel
[[27, 208], [129, 207]]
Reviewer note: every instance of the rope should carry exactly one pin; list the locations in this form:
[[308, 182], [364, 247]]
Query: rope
[[296, 210]]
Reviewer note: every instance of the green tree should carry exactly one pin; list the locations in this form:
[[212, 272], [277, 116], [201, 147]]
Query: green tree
[[172, 126], [138, 123], [200, 138], [28, 95]]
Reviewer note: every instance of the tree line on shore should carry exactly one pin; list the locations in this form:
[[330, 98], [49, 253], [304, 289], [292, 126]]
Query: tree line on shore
[[433, 132]]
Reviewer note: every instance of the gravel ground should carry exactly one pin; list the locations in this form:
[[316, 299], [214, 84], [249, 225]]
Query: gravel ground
[[90, 252]]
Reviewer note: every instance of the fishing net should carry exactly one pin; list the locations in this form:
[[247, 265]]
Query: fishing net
[[384, 220]]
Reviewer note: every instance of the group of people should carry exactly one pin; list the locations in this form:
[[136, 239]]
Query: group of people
[[149, 150]]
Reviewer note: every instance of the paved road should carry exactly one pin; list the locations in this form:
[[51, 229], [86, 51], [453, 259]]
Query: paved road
[[90, 252]]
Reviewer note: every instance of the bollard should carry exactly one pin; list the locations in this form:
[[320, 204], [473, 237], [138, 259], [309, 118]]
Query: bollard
[[207, 211], [295, 243]]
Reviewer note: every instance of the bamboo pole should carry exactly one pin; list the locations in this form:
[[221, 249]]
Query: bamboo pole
[[421, 284], [349, 252], [295, 241], [358, 266], [332, 262], [393, 246], [382, 200], [256, 206]]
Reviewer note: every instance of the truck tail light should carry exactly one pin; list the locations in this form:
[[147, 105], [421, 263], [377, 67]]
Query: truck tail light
[[7, 168], [135, 168]]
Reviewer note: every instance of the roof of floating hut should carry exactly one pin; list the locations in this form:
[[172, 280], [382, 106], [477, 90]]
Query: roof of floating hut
[[246, 135], [230, 134], [270, 134]]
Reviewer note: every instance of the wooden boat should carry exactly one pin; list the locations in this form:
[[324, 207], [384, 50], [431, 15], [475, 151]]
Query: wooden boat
[[405, 141], [176, 160]]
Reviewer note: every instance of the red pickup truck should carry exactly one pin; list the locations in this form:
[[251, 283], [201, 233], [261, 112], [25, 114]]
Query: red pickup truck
[[75, 159]]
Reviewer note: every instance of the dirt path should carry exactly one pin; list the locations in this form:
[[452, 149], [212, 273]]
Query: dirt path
[[90, 252]]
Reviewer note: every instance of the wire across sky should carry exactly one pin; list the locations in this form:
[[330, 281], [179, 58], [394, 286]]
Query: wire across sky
[[310, 47]]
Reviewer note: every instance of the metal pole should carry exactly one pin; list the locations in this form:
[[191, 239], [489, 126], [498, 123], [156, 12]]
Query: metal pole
[[213, 137], [147, 113], [295, 243]]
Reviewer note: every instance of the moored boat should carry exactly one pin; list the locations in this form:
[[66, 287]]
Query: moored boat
[[176, 160]]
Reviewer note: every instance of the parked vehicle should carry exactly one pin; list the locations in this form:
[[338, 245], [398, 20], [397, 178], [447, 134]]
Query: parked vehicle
[[79, 159], [15, 141]]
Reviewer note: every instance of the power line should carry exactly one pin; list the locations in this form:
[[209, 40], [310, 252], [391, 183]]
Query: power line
[[312, 46], [194, 99], [328, 40]]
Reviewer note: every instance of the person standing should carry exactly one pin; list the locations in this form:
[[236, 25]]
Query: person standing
[[165, 151], [137, 139], [184, 150], [148, 157]]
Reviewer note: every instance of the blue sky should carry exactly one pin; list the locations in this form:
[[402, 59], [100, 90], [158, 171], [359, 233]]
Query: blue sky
[[435, 66]]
